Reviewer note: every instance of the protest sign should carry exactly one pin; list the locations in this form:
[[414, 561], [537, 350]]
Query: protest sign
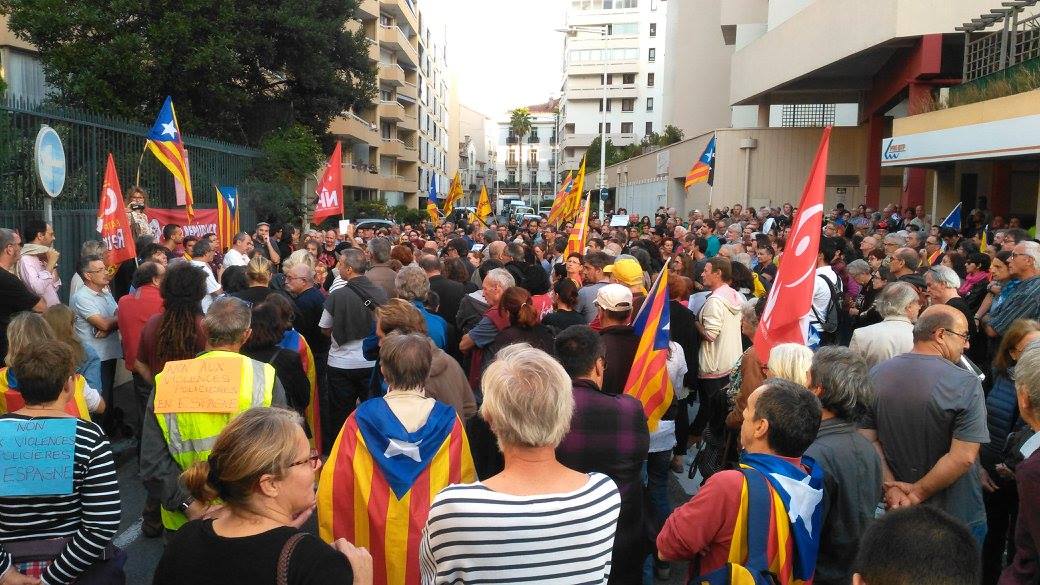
[[37, 456]]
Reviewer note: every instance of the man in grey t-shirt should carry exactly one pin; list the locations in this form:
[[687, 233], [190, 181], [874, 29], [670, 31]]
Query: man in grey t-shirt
[[929, 420], [595, 279]]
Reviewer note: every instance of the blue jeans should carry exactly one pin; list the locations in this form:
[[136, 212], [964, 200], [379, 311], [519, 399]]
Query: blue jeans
[[657, 468]]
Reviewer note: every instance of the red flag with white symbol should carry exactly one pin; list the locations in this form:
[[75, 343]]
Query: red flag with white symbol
[[112, 221], [791, 295], [330, 188]]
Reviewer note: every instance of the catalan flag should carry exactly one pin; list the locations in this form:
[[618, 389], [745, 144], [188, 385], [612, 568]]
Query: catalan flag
[[227, 216], [454, 194], [704, 169], [573, 203], [377, 485], [292, 340], [556, 212], [580, 232], [167, 144], [648, 379]]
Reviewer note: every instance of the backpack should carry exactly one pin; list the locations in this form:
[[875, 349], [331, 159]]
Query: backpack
[[754, 571], [832, 321]]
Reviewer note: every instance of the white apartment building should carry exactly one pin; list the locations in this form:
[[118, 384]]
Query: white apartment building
[[434, 107], [477, 152], [626, 62], [526, 166]]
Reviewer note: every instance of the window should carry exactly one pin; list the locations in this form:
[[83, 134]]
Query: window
[[628, 105], [600, 128], [628, 78], [623, 29], [608, 80], [649, 79], [807, 115], [386, 96], [649, 128], [653, 55], [626, 127], [512, 177], [609, 105], [649, 104], [534, 176], [653, 29]]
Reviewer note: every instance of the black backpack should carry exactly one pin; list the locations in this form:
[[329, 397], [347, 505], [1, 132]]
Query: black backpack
[[832, 321]]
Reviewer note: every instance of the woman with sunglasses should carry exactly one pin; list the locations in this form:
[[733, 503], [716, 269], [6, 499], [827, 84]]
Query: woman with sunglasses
[[262, 469]]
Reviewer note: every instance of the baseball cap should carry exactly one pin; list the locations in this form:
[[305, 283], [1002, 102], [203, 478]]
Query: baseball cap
[[614, 297], [626, 270]]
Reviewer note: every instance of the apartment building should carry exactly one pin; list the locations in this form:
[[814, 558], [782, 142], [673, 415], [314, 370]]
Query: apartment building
[[478, 151], [526, 164], [435, 105], [615, 53]]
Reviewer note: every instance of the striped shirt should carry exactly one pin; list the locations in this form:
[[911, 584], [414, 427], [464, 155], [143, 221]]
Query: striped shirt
[[475, 535], [89, 515]]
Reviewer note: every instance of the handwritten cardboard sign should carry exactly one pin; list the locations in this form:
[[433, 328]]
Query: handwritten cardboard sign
[[37, 456], [205, 385]]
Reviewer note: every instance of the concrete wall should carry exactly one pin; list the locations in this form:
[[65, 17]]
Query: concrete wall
[[779, 166]]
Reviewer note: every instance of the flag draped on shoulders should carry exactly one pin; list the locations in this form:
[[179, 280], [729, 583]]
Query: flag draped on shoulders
[[377, 486], [796, 516], [292, 340], [648, 379], [703, 171], [166, 143]]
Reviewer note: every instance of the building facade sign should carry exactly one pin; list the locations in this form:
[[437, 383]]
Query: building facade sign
[[1000, 138]]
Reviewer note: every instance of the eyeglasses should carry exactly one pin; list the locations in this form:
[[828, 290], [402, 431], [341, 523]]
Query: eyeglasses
[[963, 336], [314, 460]]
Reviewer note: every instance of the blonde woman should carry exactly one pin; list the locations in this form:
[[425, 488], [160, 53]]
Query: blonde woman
[[790, 361], [62, 321], [258, 277], [262, 470], [30, 330]]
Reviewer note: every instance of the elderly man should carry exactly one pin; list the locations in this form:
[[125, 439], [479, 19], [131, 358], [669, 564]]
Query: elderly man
[[348, 319], [483, 333], [413, 286], [898, 304], [202, 256], [380, 272], [238, 253], [1021, 302], [15, 297], [852, 468], [941, 284], [172, 440], [309, 303], [928, 421], [96, 323], [903, 262], [608, 434], [868, 245], [38, 266]]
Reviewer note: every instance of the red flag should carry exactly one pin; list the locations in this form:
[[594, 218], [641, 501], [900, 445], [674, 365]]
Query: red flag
[[330, 188], [112, 221], [791, 295]]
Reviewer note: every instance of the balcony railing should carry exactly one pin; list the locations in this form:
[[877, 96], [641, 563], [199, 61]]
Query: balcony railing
[[533, 139], [511, 140], [511, 163], [1016, 41]]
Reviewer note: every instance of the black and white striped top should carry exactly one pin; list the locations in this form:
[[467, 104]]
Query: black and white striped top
[[475, 535], [89, 515]]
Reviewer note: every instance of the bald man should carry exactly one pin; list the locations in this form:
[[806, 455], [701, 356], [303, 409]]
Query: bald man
[[929, 419]]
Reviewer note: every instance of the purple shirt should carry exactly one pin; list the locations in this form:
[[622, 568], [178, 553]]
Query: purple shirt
[[38, 279]]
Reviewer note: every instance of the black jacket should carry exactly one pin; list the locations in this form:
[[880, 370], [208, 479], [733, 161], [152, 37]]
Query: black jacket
[[450, 293]]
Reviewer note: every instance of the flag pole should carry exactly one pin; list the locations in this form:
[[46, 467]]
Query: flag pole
[[140, 161]]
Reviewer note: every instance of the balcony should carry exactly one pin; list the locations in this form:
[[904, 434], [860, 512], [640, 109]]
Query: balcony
[[368, 10], [391, 74], [512, 163], [531, 165], [410, 154], [373, 50], [534, 139], [394, 38], [391, 110], [578, 140], [401, 183], [391, 147], [361, 176], [410, 123], [408, 90], [355, 127], [596, 93], [402, 10], [512, 139]]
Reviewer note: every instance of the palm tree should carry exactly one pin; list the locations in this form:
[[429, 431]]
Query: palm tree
[[520, 126]]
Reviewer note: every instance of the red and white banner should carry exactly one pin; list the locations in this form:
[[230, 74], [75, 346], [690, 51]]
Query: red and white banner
[[112, 221], [330, 188], [790, 299], [205, 221]]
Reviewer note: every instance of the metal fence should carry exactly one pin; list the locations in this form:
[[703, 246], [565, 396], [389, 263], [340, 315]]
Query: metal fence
[[88, 139]]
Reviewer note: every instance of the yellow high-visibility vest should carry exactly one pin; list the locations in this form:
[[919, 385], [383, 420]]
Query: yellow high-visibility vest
[[11, 399]]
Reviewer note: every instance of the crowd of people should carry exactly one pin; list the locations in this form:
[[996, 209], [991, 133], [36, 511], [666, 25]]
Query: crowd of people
[[447, 403]]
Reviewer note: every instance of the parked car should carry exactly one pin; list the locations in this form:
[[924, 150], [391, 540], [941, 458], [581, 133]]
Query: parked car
[[375, 224]]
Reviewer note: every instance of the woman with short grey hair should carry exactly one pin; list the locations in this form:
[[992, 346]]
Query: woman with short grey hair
[[899, 305], [536, 508]]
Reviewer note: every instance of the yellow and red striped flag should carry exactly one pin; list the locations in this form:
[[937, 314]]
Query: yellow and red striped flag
[[292, 340], [573, 203], [648, 379], [227, 216], [580, 232], [704, 169], [167, 144], [556, 212], [377, 485]]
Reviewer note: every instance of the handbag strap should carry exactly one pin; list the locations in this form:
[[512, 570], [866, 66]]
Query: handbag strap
[[283, 558], [758, 514]]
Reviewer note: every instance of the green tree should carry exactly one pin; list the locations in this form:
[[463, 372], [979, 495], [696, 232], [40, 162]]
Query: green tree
[[671, 135], [520, 123], [236, 70], [291, 155]]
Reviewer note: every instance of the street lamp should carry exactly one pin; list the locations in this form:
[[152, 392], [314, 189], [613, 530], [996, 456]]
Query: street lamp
[[573, 31]]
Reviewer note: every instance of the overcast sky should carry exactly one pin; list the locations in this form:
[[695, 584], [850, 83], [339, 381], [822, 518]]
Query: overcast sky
[[503, 53]]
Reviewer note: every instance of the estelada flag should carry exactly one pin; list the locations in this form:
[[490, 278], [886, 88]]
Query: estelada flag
[[293, 341], [556, 211], [330, 188], [580, 231], [377, 485], [112, 221], [227, 216], [784, 319], [704, 169], [648, 379], [167, 144]]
